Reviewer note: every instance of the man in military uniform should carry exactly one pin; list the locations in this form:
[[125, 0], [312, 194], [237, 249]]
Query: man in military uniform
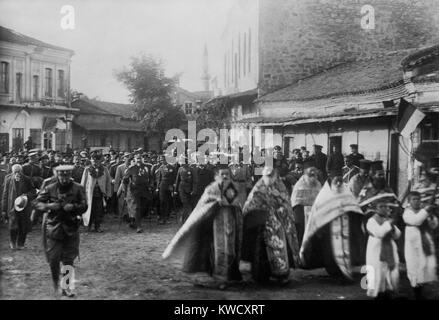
[[349, 170], [64, 202], [356, 157], [185, 187], [78, 169], [119, 186], [204, 175], [46, 171], [33, 170], [319, 160], [137, 183], [165, 179], [241, 174]]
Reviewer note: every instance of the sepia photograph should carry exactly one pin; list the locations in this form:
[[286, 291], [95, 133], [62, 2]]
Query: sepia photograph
[[219, 150]]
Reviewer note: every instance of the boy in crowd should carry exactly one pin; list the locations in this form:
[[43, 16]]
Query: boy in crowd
[[419, 248]]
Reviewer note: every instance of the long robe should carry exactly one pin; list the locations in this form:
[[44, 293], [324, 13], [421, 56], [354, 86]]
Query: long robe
[[380, 277], [302, 198], [333, 233], [89, 183], [421, 268], [210, 239], [268, 210]]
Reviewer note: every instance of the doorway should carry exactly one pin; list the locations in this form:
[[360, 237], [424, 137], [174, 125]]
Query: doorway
[[334, 142]]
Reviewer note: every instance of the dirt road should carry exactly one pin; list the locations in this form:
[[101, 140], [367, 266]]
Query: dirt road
[[121, 264]]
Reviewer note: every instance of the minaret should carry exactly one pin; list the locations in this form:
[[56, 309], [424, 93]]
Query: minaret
[[205, 76]]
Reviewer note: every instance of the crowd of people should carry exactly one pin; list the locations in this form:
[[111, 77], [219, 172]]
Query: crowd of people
[[306, 211]]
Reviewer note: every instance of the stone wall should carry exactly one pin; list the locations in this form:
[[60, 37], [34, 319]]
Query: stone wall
[[299, 38]]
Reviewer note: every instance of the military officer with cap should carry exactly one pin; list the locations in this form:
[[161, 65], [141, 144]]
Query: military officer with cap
[[356, 157], [319, 160], [137, 183], [78, 169], [204, 174], [185, 187], [32, 169], [166, 174], [241, 174], [64, 203]]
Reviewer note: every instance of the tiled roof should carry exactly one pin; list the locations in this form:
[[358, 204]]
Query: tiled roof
[[10, 35], [365, 77], [92, 106]]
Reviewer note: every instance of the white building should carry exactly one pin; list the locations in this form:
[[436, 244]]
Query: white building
[[34, 93]]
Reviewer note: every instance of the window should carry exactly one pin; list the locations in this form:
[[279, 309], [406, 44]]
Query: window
[[102, 141], [188, 108], [18, 87], [430, 128], [36, 87], [60, 84], [36, 137], [17, 138], [4, 77], [249, 50], [48, 83], [236, 70], [60, 140], [47, 140]]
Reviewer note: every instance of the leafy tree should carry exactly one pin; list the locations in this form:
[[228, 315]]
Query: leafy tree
[[150, 91]]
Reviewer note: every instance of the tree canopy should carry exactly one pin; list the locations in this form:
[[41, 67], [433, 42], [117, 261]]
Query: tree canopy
[[150, 91]]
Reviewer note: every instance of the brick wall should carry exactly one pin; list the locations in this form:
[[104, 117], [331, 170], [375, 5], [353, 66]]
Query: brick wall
[[301, 37]]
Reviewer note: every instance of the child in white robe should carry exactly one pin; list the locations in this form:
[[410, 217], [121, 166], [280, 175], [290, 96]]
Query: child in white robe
[[419, 248], [381, 254]]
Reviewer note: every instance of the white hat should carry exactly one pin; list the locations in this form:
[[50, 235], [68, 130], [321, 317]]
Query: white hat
[[20, 203]]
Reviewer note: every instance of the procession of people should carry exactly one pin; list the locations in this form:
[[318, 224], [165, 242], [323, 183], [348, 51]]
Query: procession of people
[[306, 211]]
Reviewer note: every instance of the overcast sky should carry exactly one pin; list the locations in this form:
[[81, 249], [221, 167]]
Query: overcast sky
[[108, 32]]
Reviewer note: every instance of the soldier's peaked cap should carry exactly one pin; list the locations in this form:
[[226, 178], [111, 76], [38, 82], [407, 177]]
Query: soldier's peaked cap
[[64, 169]]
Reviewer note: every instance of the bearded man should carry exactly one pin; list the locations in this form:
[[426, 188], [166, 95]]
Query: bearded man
[[304, 193], [333, 236], [210, 239], [270, 240], [358, 181], [18, 192]]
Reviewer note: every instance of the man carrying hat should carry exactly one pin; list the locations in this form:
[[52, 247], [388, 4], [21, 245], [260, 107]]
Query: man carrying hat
[[18, 192], [356, 157], [64, 202]]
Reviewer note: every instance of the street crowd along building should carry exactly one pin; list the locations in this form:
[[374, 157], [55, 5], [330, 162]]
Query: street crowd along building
[[34, 92], [315, 75]]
